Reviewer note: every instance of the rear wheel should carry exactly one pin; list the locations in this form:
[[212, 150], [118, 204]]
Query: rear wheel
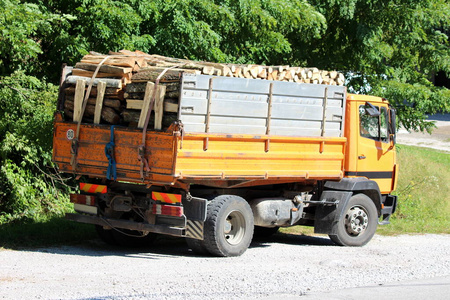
[[229, 226], [358, 224]]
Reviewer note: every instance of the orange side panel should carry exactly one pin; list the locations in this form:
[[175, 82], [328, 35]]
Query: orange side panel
[[240, 157], [253, 160], [91, 152]]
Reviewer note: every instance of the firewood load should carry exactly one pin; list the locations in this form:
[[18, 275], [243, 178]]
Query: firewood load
[[121, 85]]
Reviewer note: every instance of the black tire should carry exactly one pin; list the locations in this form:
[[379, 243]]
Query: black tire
[[229, 226], [105, 235], [358, 223], [264, 232]]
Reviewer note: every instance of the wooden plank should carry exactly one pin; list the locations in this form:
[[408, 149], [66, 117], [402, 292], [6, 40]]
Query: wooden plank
[[152, 73], [108, 114], [226, 71], [85, 73], [246, 72], [113, 103], [78, 100], [238, 72], [159, 101], [274, 74], [170, 107], [208, 70], [147, 98], [137, 104], [134, 103], [255, 71], [104, 68], [110, 92], [116, 83], [263, 74], [124, 61], [333, 74], [303, 75], [101, 87]]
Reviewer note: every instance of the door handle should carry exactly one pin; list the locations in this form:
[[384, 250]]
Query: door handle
[[362, 157]]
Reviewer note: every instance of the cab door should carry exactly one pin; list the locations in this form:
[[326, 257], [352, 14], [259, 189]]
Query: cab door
[[376, 153]]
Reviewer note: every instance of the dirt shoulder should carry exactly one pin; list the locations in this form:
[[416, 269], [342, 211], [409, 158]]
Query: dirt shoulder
[[439, 139]]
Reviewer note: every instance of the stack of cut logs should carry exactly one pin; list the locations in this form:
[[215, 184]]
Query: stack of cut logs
[[123, 86]]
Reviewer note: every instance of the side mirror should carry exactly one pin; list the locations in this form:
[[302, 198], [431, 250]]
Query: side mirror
[[392, 141], [372, 110], [392, 121], [392, 126]]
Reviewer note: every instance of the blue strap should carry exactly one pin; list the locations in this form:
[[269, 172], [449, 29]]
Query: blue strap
[[109, 152]]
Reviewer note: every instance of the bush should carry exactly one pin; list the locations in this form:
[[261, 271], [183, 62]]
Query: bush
[[30, 189]]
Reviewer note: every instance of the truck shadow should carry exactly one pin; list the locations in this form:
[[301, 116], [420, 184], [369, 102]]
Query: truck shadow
[[59, 236], [170, 247], [292, 239]]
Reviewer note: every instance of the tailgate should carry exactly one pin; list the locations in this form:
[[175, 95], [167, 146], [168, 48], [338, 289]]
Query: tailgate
[[91, 159]]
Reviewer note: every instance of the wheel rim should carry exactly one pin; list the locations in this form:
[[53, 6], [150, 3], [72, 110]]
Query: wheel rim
[[356, 220], [234, 228]]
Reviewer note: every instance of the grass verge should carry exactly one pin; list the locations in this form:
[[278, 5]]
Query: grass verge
[[423, 192], [54, 232]]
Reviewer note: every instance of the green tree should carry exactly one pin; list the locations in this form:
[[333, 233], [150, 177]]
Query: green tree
[[19, 26], [389, 48], [246, 31]]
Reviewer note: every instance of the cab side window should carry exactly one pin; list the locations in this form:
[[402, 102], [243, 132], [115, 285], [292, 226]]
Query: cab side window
[[374, 127]]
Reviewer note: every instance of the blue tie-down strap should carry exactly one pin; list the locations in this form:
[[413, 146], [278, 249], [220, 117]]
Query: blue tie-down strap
[[109, 152]]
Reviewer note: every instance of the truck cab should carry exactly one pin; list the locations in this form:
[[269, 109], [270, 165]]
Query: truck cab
[[370, 132]]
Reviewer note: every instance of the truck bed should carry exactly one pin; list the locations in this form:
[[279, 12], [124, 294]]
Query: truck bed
[[234, 135]]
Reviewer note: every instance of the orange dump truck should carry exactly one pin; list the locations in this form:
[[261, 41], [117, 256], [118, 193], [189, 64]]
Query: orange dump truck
[[245, 157]]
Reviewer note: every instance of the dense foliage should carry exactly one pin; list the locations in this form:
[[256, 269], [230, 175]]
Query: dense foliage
[[29, 188], [390, 48]]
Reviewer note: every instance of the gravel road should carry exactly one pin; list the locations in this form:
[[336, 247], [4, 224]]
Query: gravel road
[[285, 266]]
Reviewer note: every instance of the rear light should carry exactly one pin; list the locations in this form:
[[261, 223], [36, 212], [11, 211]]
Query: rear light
[[82, 199], [167, 204], [167, 210], [84, 203]]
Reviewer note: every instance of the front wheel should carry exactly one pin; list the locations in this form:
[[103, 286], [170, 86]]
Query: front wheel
[[358, 224], [229, 226]]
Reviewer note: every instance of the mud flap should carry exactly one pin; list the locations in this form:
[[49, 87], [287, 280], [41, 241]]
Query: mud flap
[[195, 212], [328, 215], [194, 229], [195, 208]]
